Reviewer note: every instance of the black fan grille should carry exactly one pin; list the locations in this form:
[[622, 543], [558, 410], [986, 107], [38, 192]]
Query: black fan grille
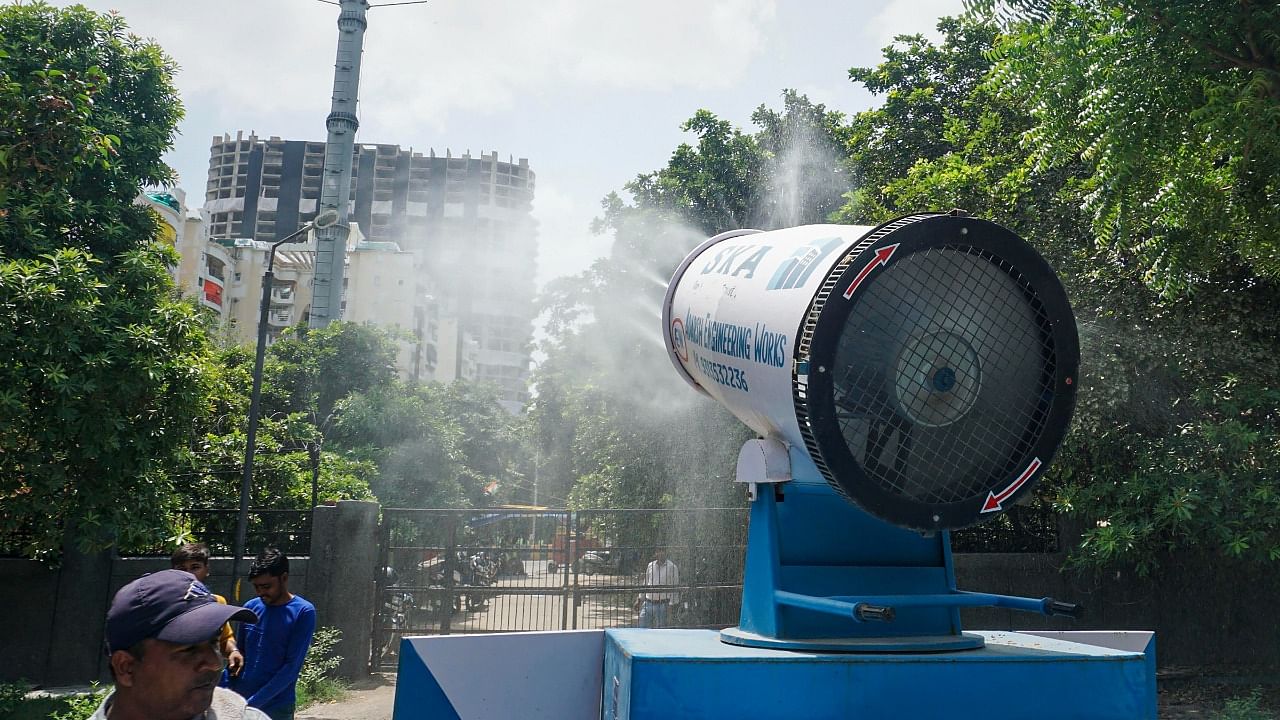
[[943, 374]]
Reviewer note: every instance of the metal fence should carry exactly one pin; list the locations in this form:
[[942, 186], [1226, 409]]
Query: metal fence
[[289, 530], [498, 570]]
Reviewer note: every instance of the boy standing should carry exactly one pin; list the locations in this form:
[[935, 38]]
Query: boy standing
[[194, 558], [275, 646]]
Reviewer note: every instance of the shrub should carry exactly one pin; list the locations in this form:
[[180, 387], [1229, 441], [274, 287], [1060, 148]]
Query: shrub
[[315, 681]]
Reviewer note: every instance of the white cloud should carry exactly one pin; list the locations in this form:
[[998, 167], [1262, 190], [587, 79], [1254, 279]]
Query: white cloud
[[495, 56], [907, 17], [424, 63]]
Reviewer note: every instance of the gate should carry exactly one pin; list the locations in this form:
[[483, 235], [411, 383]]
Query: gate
[[501, 570]]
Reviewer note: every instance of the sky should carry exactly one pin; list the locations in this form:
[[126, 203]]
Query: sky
[[592, 92]]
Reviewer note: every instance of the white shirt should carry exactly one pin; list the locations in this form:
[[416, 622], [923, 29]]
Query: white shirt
[[665, 574]]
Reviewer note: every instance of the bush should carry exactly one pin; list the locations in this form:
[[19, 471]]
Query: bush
[[1246, 708], [315, 683], [15, 705], [81, 707]]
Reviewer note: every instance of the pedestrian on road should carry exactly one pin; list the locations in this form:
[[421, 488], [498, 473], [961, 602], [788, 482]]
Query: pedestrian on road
[[653, 606], [275, 646], [194, 558], [162, 641]]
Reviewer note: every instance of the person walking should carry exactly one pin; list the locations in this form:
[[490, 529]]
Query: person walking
[[275, 646], [654, 606], [162, 642]]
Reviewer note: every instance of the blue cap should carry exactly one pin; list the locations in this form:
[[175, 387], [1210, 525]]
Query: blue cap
[[169, 605]]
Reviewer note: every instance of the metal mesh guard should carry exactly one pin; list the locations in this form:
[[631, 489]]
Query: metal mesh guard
[[943, 375]]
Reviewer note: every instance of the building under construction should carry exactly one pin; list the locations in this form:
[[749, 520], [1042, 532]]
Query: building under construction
[[465, 220]]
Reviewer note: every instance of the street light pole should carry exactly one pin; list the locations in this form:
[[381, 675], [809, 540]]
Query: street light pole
[[325, 219]]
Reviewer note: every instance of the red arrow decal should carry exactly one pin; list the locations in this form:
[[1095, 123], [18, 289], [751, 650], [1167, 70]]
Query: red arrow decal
[[993, 500], [881, 258]]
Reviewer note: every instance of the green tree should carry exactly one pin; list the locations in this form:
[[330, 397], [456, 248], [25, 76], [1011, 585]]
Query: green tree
[[1171, 110], [1175, 106], [408, 434], [335, 391], [311, 371], [805, 174], [1172, 446], [102, 369]]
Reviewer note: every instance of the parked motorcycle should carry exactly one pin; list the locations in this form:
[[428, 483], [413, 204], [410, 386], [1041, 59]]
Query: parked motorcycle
[[396, 605], [482, 571], [599, 561]]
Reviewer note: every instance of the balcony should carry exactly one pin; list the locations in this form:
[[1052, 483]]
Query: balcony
[[282, 295], [280, 318], [211, 293]]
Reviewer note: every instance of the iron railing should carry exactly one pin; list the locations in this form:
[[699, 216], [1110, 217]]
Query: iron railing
[[498, 570], [288, 530]]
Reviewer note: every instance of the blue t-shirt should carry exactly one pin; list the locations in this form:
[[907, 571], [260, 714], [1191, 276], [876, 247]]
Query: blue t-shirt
[[273, 649]]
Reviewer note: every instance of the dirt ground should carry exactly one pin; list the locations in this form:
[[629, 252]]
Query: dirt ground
[[369, 699], [1199, 694], [1183, 695]]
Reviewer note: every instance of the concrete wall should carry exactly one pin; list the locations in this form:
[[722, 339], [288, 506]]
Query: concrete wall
[[1204, 612], [344, 558], [55, 617]]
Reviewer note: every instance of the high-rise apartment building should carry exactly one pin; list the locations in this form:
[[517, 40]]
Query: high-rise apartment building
[[465, 220]]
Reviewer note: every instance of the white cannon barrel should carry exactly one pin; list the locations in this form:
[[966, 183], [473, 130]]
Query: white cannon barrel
[[926, 366]]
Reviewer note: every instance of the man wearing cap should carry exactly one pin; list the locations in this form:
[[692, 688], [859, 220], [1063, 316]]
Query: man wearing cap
[[162, 638]]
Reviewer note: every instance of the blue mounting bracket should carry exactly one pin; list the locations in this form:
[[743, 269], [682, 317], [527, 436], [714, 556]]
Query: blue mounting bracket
[[823, 575]]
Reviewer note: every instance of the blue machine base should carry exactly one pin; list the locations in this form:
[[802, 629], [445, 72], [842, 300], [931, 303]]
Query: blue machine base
[[888, 644], [666, 674]]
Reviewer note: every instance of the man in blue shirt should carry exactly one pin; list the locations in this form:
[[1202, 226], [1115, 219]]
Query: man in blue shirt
[[275, 646]]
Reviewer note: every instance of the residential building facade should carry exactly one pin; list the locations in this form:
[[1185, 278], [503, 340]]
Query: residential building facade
[[465, 221]]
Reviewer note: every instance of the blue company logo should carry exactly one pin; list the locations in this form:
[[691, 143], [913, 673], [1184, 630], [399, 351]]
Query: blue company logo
[[796, 269], [678, 341]]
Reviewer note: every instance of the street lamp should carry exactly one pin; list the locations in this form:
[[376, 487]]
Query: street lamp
[[327, 218]]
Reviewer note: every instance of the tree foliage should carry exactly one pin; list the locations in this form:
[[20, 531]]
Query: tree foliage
[[435, 445], [1175, 107], [102, 368], [1173, 444], [334, 392]]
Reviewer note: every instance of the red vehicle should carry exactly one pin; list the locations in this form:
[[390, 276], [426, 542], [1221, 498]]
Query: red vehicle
[[562, 545]]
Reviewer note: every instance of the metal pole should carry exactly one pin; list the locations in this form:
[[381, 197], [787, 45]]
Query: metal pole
[[335, 190], [314, 451], [533, 533], [324, 219], [251, 436]]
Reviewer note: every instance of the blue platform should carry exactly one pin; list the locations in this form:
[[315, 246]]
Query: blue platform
[[668, 674]]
